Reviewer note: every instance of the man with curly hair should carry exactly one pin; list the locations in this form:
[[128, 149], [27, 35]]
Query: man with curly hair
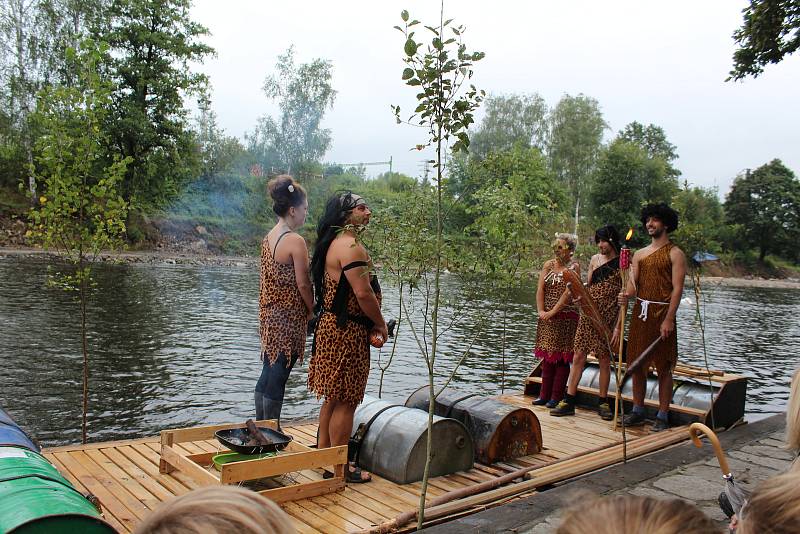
[[656, 282]]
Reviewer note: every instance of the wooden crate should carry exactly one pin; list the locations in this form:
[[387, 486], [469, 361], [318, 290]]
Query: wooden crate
[[295, 457]]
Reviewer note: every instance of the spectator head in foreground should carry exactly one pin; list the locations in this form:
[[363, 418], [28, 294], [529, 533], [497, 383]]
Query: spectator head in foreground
[[643, 515], [774, 507], [218, 510]]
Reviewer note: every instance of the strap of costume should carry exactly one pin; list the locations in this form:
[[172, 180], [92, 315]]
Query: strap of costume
[[605, 271], [339, 305], [278, 241]]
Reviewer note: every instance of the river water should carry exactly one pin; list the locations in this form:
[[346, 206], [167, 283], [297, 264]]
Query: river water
[[177, 345]]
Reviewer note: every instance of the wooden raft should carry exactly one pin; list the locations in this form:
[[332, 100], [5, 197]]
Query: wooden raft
[[125, 477]]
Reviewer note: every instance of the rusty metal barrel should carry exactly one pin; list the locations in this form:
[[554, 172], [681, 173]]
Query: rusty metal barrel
[[500, 431], [395, 443]]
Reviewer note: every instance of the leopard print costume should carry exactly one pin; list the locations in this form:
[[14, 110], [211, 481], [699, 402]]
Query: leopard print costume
[[554, 337], [281, 310], [604, 286], [339, 365]]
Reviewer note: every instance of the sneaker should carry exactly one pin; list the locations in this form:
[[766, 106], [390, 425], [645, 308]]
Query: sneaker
[[552, 403], [634, 419], [563, 408], [540, 402], [660, 425], [604, 411]]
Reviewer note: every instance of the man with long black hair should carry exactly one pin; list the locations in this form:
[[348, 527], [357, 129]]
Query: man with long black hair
[[657, 276]]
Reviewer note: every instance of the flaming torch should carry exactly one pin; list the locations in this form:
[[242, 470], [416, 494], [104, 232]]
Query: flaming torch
[[624, 270]]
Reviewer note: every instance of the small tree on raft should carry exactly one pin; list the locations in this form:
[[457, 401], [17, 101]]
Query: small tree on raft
[[440, 70], [81, 211]]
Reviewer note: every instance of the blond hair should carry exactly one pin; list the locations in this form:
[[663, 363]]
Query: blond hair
[[793, 414], [570, 239], [774, 507], [629, 513], [218, 509]]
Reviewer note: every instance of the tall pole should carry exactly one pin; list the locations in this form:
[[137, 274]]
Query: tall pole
[[390, 165]]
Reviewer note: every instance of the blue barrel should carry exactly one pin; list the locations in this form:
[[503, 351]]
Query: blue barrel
[[11, 435]]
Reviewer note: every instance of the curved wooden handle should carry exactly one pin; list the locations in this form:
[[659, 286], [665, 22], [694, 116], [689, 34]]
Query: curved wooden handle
[[696, 428]]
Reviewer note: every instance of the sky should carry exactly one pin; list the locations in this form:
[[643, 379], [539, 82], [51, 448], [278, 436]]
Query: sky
[[663, 63]]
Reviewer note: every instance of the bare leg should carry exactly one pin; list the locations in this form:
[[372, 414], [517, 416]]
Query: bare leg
[[341, 427], [664, 390], [605, 377], [639, 386], [575, 373], [324, 435]]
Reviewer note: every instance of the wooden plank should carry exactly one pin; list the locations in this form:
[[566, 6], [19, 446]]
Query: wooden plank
[[283, 463], [80, 487], [151, 469], [99, 445], [188, 468], [144, 478], [111, 505], [360, 507], [123, 479], [333, 519], [122, 493], [306, 516], [303, 491], [152, 451]]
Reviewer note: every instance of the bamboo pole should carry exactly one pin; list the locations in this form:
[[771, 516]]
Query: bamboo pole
[[550, 473]]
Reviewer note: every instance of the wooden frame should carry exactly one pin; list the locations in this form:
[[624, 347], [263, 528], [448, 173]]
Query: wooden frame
[[295, 457]]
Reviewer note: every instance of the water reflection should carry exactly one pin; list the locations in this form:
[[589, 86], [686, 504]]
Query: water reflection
[[178, 345]]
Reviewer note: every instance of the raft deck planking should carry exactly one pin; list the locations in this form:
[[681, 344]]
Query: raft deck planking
[[124, 475]]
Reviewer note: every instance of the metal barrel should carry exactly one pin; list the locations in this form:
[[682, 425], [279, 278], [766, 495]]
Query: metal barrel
[[395, 444], [500, 431], [36, 499], [727, 400], [12, 435]]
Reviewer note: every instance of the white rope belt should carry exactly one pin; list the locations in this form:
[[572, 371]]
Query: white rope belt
[[645, 306]]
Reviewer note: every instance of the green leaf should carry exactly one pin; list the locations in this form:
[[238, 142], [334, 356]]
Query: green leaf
[[408, 73], [410, 47], [404, 15]]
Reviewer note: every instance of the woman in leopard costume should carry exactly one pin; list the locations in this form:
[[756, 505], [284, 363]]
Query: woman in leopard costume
[[348, 303], [558, 318], [285, 301], [605, 283]]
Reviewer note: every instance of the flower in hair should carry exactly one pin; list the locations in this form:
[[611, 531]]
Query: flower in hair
[[290, 188]]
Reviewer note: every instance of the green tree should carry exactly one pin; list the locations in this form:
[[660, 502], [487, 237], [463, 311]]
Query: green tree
[[304, 92], [510, 120], [80, 212], [770, 31], [576, 135], [625, 180], [653, 140], [766, 205], [701, 213], [218, 152], [153, 46], [440, 71]]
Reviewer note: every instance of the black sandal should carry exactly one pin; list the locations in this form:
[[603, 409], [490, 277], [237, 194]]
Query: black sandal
[[327, 474], [354, 476]]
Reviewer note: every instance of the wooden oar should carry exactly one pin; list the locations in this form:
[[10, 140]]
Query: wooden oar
[[640, 361]]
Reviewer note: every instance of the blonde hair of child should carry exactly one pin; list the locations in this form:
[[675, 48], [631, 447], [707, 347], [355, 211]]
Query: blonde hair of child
[[774, 506], [218, 509], [629, 513]]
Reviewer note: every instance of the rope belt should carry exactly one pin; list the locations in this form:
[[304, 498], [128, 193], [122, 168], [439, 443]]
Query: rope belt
[[645, 306]]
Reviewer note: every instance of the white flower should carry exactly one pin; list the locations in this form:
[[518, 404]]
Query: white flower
[[291, 188]]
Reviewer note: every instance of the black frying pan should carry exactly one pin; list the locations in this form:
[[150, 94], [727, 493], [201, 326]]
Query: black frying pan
[[235, 439]]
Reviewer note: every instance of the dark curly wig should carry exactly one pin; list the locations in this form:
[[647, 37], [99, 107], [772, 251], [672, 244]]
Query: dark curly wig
[[663, 213]]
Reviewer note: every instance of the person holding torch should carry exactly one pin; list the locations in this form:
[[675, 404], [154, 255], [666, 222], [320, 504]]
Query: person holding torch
[[656, 282]]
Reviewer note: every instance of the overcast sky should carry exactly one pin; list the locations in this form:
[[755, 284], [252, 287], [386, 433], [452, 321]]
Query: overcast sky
[[654, 62]]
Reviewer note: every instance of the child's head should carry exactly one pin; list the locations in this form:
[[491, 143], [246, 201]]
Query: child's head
[[774, 506], [628, 513], [218, 509]]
